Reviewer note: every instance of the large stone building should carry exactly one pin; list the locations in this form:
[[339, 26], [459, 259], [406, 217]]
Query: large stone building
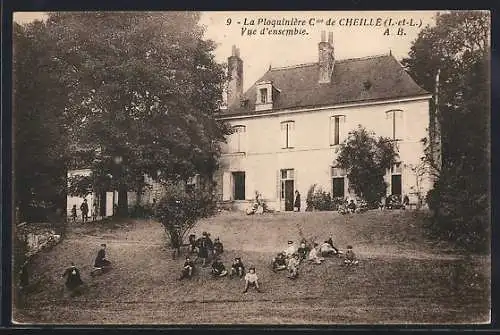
[[288, 126]]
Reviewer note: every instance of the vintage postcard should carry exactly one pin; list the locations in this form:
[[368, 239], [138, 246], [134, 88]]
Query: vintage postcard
[[269, 168]]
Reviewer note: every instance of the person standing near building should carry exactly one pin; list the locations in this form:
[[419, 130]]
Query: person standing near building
[[84, 207], [296, 205], [95, 209]]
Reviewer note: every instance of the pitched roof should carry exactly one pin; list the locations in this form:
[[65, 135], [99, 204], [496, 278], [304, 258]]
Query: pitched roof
[[299, 87]]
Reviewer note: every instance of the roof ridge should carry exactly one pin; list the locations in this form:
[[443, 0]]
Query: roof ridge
[[338, 60], [364, 58], [293, 66]]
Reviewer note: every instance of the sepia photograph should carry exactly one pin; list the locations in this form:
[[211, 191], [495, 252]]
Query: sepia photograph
[[251, 168]]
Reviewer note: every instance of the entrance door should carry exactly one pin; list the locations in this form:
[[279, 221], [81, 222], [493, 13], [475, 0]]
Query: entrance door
[[289, 195], [396, 184], [239, 185]]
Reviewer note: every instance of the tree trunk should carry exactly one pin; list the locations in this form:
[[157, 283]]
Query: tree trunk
[[122, 201]]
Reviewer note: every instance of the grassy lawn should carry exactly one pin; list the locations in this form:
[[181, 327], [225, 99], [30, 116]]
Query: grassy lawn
[[402, 277]]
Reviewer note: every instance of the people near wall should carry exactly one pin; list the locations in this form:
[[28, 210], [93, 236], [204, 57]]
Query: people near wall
[[187, 269], [251, 280], [279, 262], [314, 256], [218, 268], [406, 200], [350, 257], [290, 249], [296, 204], [237, 268], [218, 247], [351, 207], [73, 213], [84, 207], [101, 261], [95, 210], [73, 279], [293, 266]]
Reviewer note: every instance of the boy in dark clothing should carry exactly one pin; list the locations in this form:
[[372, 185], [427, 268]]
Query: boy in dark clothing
[[175, 240], [95, 209], [218, 247], [100, 260], [73, 213], [192, 243], [350, 257], [218, 269], [303, 251], [188, 269], [73, 279], [204, 244], [84, 207], [237, 268]]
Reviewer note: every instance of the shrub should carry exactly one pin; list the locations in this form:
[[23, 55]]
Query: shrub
[[319, 200], [178, 211]]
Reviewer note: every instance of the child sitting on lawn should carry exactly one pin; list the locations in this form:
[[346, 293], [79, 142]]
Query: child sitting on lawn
[[327, 250], [313, 255], [279, 262], [251, 279], [350, 257], [237, 268], [293, 266], [303, 251], [73, 279], [218, 269], [188, 269], [218, 247]]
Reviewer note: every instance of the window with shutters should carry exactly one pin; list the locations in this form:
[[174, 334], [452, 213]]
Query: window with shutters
[[395, 122], [238, 139], [287, 131], [337, 133], [396, 182]]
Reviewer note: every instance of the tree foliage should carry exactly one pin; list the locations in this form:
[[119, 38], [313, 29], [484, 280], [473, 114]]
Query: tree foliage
[[39, 101], [141, 87], [459, 45], [366, 160]]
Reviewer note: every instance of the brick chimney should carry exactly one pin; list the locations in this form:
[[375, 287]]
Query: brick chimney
[[235, 80], [326, 58]]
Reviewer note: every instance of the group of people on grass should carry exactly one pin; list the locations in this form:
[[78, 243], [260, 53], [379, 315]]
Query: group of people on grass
[[290, 258], [84, 208], [72, 273]]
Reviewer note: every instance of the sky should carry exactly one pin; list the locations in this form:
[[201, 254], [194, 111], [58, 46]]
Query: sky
[[258, 52]]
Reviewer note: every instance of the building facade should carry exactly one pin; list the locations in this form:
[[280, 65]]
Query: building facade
[[288, 127]]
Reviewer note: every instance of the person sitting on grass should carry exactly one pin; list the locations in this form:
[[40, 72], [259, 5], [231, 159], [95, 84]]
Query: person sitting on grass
[[100, 260], [218, 247], [293, 266], [73, 279], [330, 242], [188, 269], [351, 207], [327, 250], [313, 255], [290, 250], [251, 279], [350, 257], [303, 251], [218, 268], [237, 268], [279, 262]]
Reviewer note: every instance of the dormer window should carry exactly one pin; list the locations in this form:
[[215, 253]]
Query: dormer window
[[244, 103], [266, 95], [263, 95]]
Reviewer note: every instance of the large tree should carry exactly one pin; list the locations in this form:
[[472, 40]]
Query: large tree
[[40, 94], [146, 91], [366, 160], [458, 46]]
